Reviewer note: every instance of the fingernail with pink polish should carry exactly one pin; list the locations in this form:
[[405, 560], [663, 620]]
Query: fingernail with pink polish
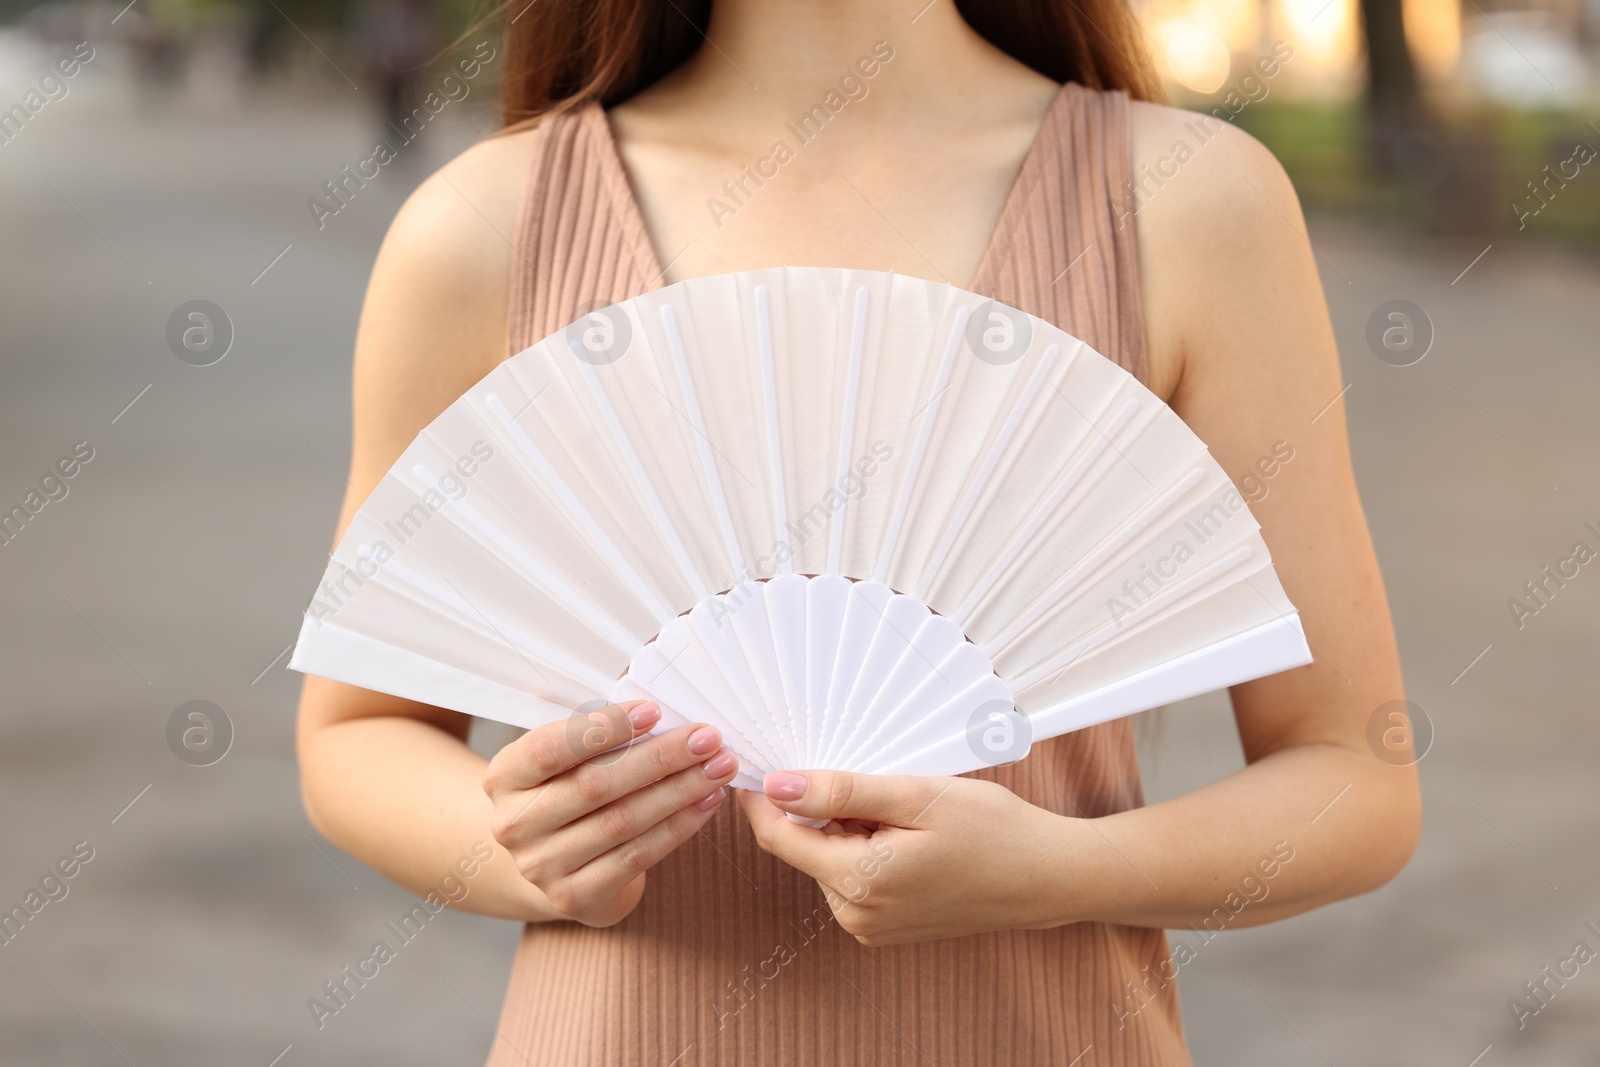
[[781, 785], [723, 763], [644, 716], [705, 740], [709, 802]]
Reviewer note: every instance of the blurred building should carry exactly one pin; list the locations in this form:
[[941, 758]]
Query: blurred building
[[1519, 52]]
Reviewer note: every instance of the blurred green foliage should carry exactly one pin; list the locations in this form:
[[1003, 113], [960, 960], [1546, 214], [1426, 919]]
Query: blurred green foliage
[[1530, 141], [1323, 148]]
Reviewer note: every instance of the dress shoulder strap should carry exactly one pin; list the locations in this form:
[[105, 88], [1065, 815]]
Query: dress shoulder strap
[[576, 245], [1066, 248]]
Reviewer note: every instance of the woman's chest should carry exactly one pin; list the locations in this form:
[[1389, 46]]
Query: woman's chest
[[826, 197]]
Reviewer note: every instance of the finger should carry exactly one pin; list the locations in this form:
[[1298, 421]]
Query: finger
[[629, 816], [598, 782], [899, 800], [552, 749], [818, 853], [841, 861], [605, 876]]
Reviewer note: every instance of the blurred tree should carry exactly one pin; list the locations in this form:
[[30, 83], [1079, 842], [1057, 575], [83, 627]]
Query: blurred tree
[[276, 26], [1394, 108]]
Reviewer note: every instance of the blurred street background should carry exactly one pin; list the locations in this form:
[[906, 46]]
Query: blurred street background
[[1446, 151]]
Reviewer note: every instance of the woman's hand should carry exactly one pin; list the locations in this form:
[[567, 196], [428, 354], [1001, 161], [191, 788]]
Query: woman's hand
[[915, 859], [584, 823]]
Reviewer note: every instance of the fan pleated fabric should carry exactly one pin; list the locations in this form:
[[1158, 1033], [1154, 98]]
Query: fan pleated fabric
[[733, 957]]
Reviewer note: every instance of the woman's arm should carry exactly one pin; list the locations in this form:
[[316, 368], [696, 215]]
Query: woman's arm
[[391, 781], [1233, 300], [1241, 344], [395, 785]]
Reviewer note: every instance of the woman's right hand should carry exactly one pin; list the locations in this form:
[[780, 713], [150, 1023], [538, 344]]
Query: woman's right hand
[[583, 826]]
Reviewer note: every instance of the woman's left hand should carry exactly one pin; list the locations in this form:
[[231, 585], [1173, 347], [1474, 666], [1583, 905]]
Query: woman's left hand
[[915, 859]]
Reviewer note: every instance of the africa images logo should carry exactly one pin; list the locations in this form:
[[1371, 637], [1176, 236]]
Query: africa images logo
[[342, 189]]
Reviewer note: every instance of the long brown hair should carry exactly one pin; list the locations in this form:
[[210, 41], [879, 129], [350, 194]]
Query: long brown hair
[[561, 54]]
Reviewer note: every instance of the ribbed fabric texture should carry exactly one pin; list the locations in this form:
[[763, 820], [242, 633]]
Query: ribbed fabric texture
[[581, 243], [732, 957]]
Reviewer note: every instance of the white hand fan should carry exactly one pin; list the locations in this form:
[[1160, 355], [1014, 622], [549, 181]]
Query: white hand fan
[[855, 520]]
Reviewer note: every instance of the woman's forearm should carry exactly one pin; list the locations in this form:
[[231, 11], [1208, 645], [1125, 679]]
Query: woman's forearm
[[1296, 829], [407, 799]]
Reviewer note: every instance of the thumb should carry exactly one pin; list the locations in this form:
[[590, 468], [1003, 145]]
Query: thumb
[[899, 800]]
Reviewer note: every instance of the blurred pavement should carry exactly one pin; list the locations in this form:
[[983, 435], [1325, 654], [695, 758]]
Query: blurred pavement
[[176, 567]]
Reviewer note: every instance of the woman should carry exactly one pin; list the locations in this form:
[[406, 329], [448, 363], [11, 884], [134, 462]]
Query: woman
[[1007, 917]]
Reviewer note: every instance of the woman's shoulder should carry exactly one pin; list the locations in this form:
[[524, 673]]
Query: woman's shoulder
[[1196, 178], [444, 269], [435, 316], [462, 217], [1195, 155], [1216, 216]]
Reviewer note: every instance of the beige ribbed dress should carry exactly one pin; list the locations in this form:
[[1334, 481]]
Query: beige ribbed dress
[[733, 957]]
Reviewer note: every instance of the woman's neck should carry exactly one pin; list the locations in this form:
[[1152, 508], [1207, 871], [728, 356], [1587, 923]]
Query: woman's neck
[[801, 117]]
